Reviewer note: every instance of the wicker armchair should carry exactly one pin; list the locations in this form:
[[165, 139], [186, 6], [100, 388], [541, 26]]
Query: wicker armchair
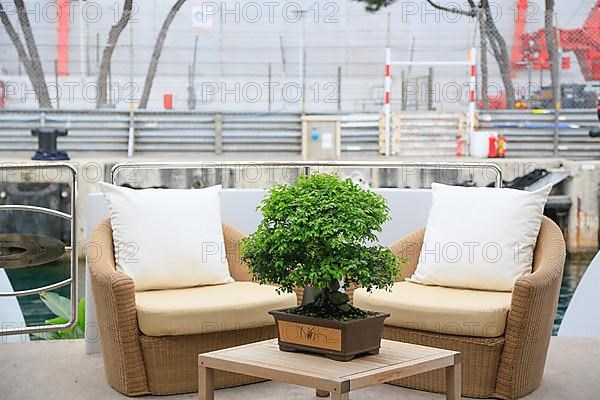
[[139, 364], [508, 366]]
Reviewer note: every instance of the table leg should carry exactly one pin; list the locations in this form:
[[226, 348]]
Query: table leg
[[339, 396], [206, 390], [453, 382], [322, 393]]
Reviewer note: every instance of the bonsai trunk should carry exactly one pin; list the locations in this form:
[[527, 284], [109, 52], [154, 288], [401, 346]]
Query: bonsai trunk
[[330, 298]]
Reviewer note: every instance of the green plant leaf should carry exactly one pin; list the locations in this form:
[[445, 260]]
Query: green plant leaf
[[57, 321], [319, 231], [59, 305], [47, 335], [81, 315]]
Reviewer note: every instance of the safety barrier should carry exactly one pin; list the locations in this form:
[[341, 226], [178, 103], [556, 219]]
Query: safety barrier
[[531, 133], [424, 134], [14, 261]]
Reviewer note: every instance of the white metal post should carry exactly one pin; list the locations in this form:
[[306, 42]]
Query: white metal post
[[387, 111], [472, 84], [131, 136], [471, 63]]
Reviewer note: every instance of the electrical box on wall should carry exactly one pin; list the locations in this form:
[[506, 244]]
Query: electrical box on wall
[[321, 139]]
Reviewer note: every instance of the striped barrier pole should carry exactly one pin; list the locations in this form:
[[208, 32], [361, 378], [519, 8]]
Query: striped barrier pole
[[471, 109], [386, 103]]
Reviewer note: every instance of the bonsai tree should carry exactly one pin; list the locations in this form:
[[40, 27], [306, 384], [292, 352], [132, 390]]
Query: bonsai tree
[[320, 232]]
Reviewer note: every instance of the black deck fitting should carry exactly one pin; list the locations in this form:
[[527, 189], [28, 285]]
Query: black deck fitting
[[47, 144]]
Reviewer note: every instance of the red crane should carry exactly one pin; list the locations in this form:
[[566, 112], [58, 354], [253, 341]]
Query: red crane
[[584, 42]]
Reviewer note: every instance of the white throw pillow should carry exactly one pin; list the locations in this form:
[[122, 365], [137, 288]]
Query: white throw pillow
[[480, 238], [168, 238]]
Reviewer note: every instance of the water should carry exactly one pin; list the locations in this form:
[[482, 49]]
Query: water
[[35, 312], [575, 267]]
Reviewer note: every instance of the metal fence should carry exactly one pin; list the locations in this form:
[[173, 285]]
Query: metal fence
[[529, 133], [108, 130], [532, 133], [428, 134], [360, 132]]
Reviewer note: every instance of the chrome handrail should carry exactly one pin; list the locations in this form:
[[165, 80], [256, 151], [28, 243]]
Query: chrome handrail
[[43, 210], [430, 165], [37, 290], [72, 280]]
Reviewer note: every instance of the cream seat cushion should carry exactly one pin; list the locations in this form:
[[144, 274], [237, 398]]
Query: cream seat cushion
[[206, 309], [439, 309]]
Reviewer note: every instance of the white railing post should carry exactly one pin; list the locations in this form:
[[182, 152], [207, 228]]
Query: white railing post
[[472, 85], [131, 136], [386, 104]]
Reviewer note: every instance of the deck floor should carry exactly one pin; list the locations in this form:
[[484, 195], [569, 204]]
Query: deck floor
[[61, 371]]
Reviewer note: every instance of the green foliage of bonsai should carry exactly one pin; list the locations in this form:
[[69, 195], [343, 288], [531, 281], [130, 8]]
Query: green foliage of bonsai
[[319, 231]]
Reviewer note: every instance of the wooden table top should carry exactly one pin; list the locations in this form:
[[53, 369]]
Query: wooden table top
[[265, 360]]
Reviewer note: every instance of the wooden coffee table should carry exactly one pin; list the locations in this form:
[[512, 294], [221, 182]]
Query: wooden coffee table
[[265, 360]]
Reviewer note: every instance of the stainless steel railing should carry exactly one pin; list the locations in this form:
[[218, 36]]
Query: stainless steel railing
[[131, 168], [72, 217]]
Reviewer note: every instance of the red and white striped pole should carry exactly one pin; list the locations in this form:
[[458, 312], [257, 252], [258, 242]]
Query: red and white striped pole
[[472, 84], [386, 103]]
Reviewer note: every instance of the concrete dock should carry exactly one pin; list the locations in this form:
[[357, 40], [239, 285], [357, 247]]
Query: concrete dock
[[60, 370]]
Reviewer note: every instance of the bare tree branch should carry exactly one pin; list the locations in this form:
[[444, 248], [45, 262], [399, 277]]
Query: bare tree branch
[[158, 46], [483, 59], [21, 52], [113, 37], [500, 50], [471, 13], [552, 47], [39, 78]]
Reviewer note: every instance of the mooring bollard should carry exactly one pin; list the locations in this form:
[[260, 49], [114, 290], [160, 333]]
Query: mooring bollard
[[47, 149]]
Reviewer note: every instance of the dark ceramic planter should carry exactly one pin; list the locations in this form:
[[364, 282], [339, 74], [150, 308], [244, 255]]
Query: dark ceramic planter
[[338, 340]]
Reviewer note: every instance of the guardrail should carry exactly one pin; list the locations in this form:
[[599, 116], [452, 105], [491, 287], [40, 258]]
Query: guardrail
[[360, 132], [24, 169], [427, 134], [176, 131], [125, 172], [529, 133]]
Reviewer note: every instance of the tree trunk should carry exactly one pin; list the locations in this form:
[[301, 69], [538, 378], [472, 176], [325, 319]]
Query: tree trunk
[[158, 46], [483, 60], [552, 48], [498, 45], [21, 52], [330, 298], [113, 37], [33, 65]]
